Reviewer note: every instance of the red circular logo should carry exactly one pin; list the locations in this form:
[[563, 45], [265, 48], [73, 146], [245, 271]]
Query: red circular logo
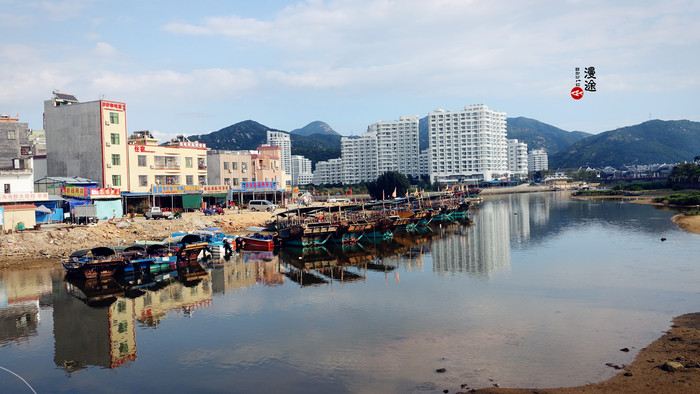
[[577, 93]]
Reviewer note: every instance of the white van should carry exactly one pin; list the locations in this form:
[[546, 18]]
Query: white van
[[261, 205]]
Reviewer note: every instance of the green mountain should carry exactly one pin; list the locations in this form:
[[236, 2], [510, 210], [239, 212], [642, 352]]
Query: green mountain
[[655, 141], [249, 134], [538, 135], [244, 135], [316, 127]]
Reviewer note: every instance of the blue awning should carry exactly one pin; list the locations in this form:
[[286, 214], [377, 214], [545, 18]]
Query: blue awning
[[75, 202]]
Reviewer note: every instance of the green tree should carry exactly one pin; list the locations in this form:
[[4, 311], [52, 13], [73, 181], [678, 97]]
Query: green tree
[[386, 183]]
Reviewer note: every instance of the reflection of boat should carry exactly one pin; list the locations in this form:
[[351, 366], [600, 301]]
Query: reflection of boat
[[97, 262], [95, 292]]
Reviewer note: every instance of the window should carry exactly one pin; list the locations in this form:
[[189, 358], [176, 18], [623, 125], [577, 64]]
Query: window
[[114, 138], [189, 179], [235, 181], [201, 163], [234, 165], [122, 327], [116, 180], [115, 159], [188, 162], [10, 134], [227, 181], [113, 118], [142, 160], [143, 180], [225, 165], [7, 188], [202, 179]]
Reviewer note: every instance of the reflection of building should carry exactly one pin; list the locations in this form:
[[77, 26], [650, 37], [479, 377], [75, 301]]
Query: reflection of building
[[152, 307], [85, 335], [246, 269], [479, 250], [19, 303]]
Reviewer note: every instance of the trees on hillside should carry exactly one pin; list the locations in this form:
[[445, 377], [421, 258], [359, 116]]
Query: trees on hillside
[[387, 183]]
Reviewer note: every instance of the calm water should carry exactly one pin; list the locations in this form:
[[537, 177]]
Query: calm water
[[541, 291]]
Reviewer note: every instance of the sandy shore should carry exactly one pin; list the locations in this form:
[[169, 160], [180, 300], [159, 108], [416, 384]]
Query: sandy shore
[[690, 224], [671, 364]]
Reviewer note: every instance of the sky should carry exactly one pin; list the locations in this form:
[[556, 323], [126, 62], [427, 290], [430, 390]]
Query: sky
[[196, 67]]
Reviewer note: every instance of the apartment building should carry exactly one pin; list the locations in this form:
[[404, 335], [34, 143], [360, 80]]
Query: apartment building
[[86, 140], [517, 158], [301, 171], [537, 160], [281, 139], [467, 144], [235, 169], [328, 172], [397, 145], [178, 162], [359, 158]]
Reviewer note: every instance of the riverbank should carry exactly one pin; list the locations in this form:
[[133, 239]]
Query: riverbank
[[40, 248], [671, 364]]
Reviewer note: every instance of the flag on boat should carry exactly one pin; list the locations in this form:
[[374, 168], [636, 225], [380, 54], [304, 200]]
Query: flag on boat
[[394, 193]]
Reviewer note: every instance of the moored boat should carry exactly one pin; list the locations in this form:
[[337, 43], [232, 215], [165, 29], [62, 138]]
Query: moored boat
[[101, 261]]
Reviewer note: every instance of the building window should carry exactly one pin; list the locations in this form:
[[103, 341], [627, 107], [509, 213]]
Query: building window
[[113, 118], [202, 179], [189, 179], [116, 159], [143, 180], [188, 162], [114, 138], [116, 180], [235, 181], [225, 165], [244, 180], [10, 134], [227, 181], [201, 163], [142, 160], [7, 188], [234, 165]]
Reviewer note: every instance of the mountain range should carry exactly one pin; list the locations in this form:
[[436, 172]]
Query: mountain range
[[654, 141]]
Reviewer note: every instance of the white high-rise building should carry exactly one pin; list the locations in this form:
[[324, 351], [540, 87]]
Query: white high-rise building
[[281, 139], [397, 145], [467, 144], [301, 170], [328, 172], [537, 160], [359, 155], [517, 158]]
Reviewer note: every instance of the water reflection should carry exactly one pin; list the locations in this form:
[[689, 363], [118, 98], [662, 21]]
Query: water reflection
[[20, 294]]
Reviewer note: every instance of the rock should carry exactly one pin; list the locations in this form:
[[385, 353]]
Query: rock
[[627, 374], [663, 239], [611, 365], [672, 366], [624, 349], [440, 370]]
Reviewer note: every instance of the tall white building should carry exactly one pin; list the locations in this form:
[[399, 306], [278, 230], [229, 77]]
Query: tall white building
[[278, 138], [467, 144], [328, 172], [537, 160], [359, 155], [397, 145], [301, 171], [517, 158]]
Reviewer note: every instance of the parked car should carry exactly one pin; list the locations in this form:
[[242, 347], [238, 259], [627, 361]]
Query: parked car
[[157, 213], [262, 205]]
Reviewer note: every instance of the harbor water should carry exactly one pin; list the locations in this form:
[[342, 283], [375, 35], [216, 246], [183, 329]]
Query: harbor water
[[541, 290]]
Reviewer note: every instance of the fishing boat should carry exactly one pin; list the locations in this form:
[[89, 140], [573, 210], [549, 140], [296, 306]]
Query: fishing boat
[[257, 241], [218, 243], [98, 262]]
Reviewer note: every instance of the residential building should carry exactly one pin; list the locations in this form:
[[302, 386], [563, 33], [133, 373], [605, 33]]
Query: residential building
[[359, 158], [282, 139], [467, 144], [424, 160], [87, 140], [517, 158], [397, 145], [177, 162], [328, 172], [301, 171], [537, 160], [14, 141], [235, 168]]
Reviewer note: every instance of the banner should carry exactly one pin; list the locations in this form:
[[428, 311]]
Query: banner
[[17, 197]]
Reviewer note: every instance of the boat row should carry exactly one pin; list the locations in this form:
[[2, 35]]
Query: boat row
[[348, 224]]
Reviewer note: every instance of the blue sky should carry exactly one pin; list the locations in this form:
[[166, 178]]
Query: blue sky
[[196, 67]]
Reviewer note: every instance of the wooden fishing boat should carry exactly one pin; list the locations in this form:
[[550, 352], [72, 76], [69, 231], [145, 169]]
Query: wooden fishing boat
[[258, 241], [98, 262]]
